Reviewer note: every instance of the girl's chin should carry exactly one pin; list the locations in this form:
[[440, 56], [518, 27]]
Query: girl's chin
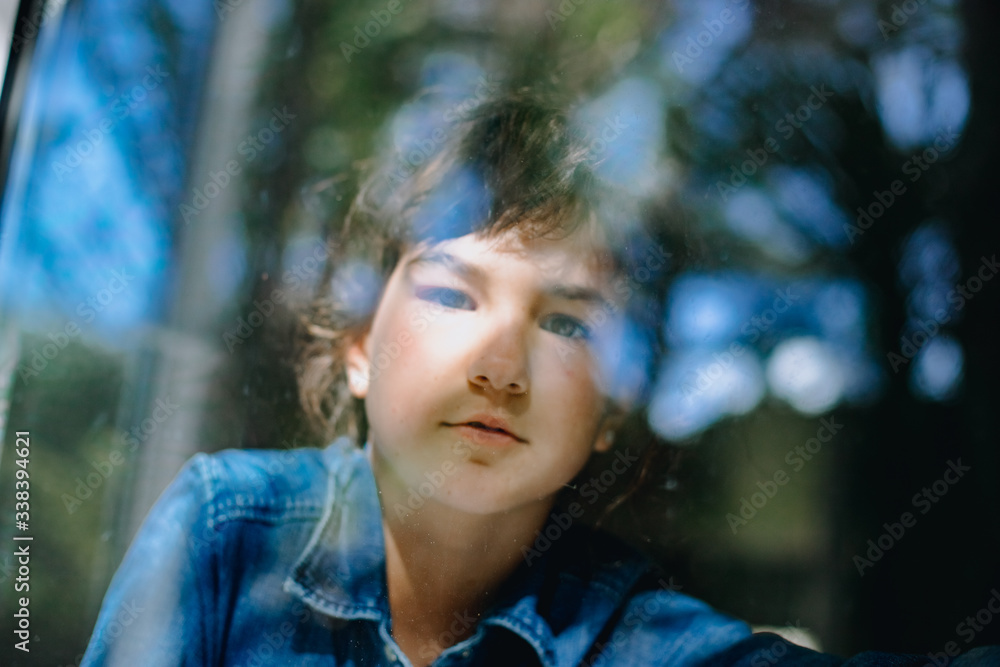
[[482, 499], [466, 485]]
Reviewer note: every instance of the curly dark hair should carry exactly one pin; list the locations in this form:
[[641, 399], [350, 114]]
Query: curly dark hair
[[511, 162]]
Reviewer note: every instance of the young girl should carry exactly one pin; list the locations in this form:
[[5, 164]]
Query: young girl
[[467, 396]]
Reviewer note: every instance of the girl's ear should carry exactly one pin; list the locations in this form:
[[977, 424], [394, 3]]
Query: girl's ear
[[358, 366], [609, 428]]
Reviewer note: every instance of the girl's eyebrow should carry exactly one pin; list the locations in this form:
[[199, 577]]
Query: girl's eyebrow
[[577, 293], [450, 262], [471, 272]]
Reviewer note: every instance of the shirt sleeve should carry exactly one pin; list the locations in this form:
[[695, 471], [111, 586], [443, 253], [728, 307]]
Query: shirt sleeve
[[769, 650], [665, 627], [155, 611]]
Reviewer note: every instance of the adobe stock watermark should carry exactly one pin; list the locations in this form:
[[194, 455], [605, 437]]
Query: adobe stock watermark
[[225, 7], [772, 655], [117, 626], [652, 601], [264, 308], [387, 353], [381, 18], [565, 9], [796, 458], [273, 465], [924, 500], [425, 149], [624, 286], [263, 653], [252, 146], [121, 108], [928, 329], [102, 470], [463, 622], [704, 39], [792, 122], [597, 139], [433, 481], [706, 375], [901, 13], [59, 339], [29, 26], [591, 491], [967, 630], [915, 167]]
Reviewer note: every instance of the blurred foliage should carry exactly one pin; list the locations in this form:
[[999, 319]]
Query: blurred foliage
[[700, 112], [69, 411], [886, 92]]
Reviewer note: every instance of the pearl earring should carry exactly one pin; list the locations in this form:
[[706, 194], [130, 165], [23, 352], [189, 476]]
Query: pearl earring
[[357, 380]]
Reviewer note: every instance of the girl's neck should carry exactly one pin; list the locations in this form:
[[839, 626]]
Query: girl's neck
[[444, 567]]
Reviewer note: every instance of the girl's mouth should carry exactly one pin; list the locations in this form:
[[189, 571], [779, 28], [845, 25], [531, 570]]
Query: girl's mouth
[[488, 431], [488, 428]]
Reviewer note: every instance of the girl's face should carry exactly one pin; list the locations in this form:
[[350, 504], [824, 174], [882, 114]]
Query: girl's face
[[479, 371]]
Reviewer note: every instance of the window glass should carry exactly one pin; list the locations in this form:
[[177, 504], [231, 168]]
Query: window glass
[[815, 351]]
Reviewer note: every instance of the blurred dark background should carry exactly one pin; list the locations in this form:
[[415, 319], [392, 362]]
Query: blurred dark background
[[821, 172]]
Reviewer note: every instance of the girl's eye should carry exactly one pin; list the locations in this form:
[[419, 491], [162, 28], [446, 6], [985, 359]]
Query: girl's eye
[[447, 297], [566, 326]]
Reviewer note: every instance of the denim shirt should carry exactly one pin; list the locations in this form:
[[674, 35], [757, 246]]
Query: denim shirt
[[254, 558]]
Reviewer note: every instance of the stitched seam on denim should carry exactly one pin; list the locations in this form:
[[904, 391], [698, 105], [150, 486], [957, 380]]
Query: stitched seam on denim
[[329, 608], [220, 500], [466, 644], [204, 462], [300, 580], [249, 514]]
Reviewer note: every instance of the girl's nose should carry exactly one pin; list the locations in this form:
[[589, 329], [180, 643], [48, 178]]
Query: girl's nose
[[501, 364]]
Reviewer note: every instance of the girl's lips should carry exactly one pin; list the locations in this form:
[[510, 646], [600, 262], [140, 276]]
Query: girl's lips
[[488, 430], [480, 434]]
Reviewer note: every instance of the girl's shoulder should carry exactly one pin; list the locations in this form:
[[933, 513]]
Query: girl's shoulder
[[766, 649], [271, 484], [638, 614]]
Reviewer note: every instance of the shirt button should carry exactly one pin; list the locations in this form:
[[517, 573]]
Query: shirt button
[[390, 653], [465, 653]]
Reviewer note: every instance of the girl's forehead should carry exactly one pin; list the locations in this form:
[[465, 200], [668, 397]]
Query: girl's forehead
[[580, 252]]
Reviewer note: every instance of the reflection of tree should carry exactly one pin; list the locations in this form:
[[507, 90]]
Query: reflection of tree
[[68, 435], [740, 98], [746, 90]]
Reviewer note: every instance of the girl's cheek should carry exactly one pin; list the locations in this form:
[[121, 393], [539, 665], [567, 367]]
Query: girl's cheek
[[418, 323], [572, 355], [572, 365], [419, 320]]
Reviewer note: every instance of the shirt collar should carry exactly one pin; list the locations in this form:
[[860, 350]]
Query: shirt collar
[[341, 571]]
